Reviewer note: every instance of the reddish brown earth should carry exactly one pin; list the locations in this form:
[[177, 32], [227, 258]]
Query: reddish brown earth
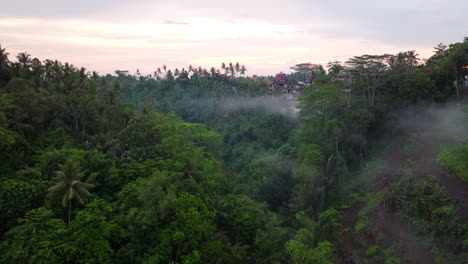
[[412, 249], [426, 164], [347, 244]]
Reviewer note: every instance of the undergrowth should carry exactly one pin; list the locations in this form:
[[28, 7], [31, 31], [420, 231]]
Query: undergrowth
[[455, 159]]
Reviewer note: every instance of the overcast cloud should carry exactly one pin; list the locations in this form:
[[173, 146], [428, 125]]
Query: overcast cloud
[[266, 36]]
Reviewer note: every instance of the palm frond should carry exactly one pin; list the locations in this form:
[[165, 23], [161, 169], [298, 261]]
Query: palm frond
[[78, 197], [57, 187]]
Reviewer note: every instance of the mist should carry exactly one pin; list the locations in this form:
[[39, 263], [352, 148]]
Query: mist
[[449, 121], [285, 105]]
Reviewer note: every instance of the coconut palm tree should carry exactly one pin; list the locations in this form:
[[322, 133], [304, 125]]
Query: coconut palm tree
[[169, 75], [3, 57], [231, 68], [237, 67], [412, 58], [82, 75], [69, 186], [5, 64], [24, 58], [243, 70], [213, 72], [94, 75]]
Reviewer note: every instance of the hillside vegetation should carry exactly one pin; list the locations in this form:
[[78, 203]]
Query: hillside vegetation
[[205, 166]]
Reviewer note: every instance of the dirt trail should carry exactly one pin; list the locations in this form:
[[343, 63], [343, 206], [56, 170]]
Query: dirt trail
[[411, 250], [347, 244], [395, 160], [426, 164]]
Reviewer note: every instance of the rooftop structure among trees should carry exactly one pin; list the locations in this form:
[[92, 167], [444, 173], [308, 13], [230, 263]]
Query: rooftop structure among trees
[[284, 85]]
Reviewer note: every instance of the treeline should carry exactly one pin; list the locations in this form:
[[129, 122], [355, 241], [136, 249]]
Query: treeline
[[173, 175]]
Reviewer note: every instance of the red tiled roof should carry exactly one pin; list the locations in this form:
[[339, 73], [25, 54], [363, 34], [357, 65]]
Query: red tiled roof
[[281, 76], [282, 79]]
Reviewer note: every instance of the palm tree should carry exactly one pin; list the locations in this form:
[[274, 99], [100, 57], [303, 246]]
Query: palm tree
[[94, 75], [82, 75], [412, 58], [24, 58], [69, 186], [5, 64], [243, 70], [169, 75], [3, 57], [231, 69], [213, 72], [67, 74], [237, 67]]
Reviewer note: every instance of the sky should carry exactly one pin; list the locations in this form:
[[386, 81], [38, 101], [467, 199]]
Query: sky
[[266, 36]]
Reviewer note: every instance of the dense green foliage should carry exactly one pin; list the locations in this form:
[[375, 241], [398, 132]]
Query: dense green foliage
[[200, 166]]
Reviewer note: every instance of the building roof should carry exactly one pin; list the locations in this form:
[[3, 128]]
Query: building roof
[[282, 79]]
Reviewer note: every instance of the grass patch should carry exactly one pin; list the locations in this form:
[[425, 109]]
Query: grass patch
[[371, 200], [383, 252], [455, 159], [373, 251], [427, 206], [392, 260]]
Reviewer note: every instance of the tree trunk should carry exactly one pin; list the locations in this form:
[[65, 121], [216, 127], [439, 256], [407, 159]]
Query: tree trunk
[[361, 155], [69, 211]]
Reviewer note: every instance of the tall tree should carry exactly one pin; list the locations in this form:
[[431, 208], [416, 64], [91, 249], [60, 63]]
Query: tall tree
[[243, 70], [369, 71], [231, 68], [3, 57], [70, 186], [24, 58], [4, 66]]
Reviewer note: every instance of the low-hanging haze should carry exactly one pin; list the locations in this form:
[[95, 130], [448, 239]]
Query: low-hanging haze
[[266, 36]]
